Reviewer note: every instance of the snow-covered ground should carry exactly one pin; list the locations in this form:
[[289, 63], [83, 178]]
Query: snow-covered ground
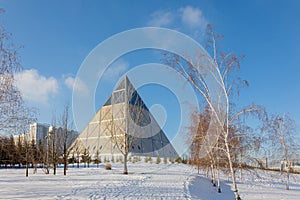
[[145, 181]]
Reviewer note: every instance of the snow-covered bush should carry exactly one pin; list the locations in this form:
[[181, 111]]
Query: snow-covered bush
[[108, 166], [165, 160], [158, 160], [171, 160]]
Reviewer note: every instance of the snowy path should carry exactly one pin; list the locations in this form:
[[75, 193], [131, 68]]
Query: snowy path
[[145, 181], [156, 182]]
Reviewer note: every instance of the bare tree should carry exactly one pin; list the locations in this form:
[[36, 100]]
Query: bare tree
[[41, 153], [283, 132], [54, 141], [14, 113], [65, 135], [125, 136], [198, 131], [77, 149], [20, 151]]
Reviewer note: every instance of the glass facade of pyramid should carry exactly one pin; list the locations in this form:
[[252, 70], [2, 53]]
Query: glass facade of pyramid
[[124, 123]]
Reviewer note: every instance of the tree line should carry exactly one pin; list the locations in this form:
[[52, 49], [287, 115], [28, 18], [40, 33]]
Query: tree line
[[24, 152]]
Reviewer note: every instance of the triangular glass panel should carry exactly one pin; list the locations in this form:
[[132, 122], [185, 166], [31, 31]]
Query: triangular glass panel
[[121, 85], [108, 102]]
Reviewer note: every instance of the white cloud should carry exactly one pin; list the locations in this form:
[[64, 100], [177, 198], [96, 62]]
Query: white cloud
[[116, 70], [188, 17], [69, 82], [161, 18], [77, 84], [35, 87], [192, 17]]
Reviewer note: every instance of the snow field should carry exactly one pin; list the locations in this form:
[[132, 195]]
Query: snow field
[[144, 181]]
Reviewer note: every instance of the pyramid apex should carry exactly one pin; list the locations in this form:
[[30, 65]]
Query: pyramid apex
[[125, 81], [126, 78]]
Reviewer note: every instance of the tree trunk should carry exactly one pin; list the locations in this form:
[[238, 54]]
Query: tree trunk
[[241, 166], [26, 169], [35, 168], [65, 158], [54, 169], [287, 179], [234, 185], [125, 164], [26, 160], [54, 154], [219, 184], [241, 173], [206, 172], [213, 179]]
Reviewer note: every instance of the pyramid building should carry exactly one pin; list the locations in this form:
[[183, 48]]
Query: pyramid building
[[124, 124]]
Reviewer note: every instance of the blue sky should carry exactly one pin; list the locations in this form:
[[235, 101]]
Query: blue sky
[[58, 35]]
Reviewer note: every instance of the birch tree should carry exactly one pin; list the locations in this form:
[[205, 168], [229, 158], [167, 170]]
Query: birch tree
[[224, 75], [283, 132]]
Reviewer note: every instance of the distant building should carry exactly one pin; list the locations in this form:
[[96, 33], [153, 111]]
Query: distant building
[[41, 133], [294, 166], [37, 132], [262, 163], [72, 135], [21, 138]]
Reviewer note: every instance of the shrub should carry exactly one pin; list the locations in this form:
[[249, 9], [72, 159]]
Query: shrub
[[108, 166], [96, 161], [184, 161], [165, 160], [171, 160], [150, 160], [158, 160], [178, 160]]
